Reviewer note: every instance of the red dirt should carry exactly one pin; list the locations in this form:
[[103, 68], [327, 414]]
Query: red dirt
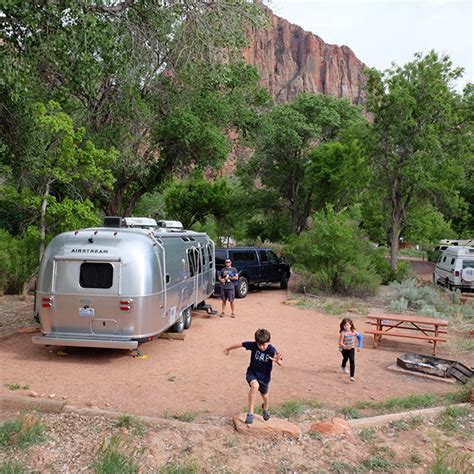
[[195, 375]]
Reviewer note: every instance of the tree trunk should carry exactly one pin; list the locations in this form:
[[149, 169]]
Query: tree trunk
[[394, 236], [42, 227]]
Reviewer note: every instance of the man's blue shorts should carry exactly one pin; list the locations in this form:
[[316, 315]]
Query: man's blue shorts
[[228, 294], [262, 387]]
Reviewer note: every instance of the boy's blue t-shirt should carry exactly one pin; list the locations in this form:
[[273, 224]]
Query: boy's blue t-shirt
[[260, 363]]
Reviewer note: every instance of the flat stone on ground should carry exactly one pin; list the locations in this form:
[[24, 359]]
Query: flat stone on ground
[[274, 427], [336, 426]]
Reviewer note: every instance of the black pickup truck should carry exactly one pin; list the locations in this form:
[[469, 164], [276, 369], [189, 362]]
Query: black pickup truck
[[255, 266]]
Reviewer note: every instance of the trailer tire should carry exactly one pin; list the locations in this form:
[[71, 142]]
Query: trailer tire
[[187, 318], [178, 326]]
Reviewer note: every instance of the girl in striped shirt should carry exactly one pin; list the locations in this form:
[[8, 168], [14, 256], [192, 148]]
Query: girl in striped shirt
[[347, 344]]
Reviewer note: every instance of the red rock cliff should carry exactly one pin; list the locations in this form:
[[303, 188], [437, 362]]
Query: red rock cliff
[[291, 60]]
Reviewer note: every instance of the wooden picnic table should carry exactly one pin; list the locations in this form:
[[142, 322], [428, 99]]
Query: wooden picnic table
[[413, 327]]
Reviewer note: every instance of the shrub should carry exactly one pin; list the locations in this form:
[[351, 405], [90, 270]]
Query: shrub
[[337, 254], [416, 295], [382, 267]]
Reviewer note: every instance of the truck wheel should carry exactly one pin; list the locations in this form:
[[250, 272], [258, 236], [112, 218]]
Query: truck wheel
[[187, 318], [284, 281], [178, 326], [242, 288]]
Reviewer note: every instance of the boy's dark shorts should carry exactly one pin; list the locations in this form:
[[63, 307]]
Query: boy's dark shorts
[[228, 294], [262, 387]]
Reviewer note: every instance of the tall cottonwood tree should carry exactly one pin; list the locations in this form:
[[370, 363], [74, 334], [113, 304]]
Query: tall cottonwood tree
[[126, 71], [286, 141], [419, 139]]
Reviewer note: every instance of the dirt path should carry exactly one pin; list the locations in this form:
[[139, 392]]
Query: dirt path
[[195, 375]]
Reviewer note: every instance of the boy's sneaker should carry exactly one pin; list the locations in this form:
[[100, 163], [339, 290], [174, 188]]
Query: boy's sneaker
[[265, 414], [221, 315], [352, 379], [344, 369], [249, 419], [232, 315]]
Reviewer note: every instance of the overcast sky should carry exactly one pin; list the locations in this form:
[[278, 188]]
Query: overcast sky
[[384, 31]]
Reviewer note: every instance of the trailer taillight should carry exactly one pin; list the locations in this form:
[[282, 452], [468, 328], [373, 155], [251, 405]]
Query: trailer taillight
[[457, 273], [125, 305], [47, 302]]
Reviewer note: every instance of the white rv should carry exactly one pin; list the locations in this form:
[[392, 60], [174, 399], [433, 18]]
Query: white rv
[[121, 284], [455, 268]]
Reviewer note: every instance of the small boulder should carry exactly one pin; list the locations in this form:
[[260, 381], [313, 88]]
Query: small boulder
[[273, 428], [336, 426]]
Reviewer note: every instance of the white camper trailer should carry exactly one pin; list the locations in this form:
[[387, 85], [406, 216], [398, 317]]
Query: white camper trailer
[[121, 284]]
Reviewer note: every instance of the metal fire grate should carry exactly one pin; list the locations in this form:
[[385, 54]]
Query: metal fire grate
[[435, 366]]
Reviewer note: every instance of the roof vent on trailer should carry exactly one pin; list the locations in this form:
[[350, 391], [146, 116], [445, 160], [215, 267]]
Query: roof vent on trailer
[[131, 222], [170, 225]]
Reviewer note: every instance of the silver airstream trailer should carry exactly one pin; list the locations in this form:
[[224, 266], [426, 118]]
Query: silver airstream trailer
[[121, 284]]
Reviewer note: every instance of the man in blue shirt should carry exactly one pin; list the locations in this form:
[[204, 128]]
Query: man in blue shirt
[[228, 277], [258, 376]]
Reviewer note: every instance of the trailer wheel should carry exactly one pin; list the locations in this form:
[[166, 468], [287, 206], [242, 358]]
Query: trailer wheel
[[178, 326], [187, 318]]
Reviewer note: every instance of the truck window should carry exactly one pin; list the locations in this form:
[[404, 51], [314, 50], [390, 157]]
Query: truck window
[[96, 275], [272, 256], [244, 256], [263, 256]]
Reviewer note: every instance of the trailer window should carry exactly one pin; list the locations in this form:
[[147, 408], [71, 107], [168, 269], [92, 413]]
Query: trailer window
[[209, 255], [468, 264], [96, 275], [194, 261]]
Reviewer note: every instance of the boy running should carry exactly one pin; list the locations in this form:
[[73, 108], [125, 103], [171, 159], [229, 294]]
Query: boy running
[[258, 376]]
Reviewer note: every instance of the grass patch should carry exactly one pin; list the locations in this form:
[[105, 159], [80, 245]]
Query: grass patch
[[13, 467], [447, 461], [406, 424], [451, 420], [180, 468], [186, 416], [351, 413], [23, 432], [131, 423], [378, 464], [116, 458], [294, 408], [367, 434], [341, 467]]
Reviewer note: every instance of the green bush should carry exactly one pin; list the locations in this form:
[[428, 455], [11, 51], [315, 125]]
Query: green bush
[[416, 296], [382, 267], [18, 260], [337, 254]]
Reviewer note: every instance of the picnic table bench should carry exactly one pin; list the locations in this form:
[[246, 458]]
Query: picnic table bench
[[407, 326]]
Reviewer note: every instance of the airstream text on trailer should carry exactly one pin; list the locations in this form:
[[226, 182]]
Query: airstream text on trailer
[[121, 284]]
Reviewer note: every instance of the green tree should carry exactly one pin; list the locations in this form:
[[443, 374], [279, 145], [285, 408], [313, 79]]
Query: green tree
[[134, 74], [285, 142], [63, 159], [419, 137], [192, 200], [336, 253]]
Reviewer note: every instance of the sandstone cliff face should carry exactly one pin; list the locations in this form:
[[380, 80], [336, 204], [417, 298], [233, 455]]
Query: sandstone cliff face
[[291, 60]]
